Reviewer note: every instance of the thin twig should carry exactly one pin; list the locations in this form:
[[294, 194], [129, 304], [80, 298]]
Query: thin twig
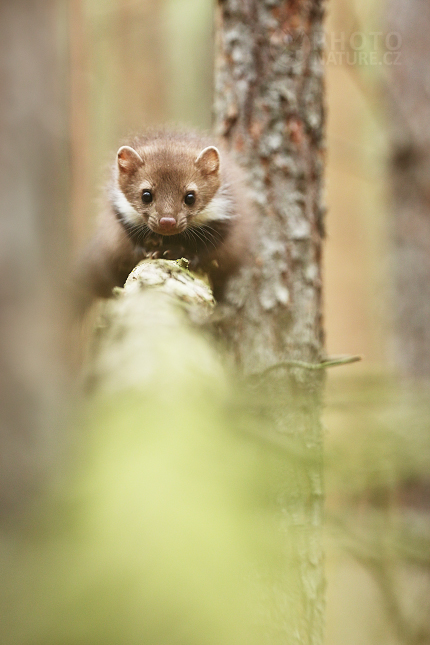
[[332, 361]]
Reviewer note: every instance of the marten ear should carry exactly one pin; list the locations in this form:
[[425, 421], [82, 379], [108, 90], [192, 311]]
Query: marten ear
[[128, 160], [208, 161]]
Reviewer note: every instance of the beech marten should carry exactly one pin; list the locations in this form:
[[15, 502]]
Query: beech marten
[[171, 195]]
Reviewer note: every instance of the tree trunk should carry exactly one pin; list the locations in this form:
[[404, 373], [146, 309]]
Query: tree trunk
[[409, 110], [33, 204], [269, 110]]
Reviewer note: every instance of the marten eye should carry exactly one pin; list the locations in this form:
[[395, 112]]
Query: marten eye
[[190, 198], [147, 197]]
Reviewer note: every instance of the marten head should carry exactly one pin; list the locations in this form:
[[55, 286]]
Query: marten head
[[166, 185]]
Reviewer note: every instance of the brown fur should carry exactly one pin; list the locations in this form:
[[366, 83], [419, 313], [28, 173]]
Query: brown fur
[[214, 233]]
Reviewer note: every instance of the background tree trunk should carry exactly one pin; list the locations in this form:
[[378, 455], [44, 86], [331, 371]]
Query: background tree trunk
[[409, 111], [33, 226], [269, 109]]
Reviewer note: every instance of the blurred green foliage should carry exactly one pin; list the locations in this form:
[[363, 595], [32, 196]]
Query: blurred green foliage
[[163, 532]]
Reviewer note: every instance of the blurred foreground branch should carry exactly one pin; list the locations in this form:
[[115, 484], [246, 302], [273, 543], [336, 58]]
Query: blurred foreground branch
[[165, 529]]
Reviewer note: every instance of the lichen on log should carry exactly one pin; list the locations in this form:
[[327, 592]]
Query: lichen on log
[[150, 323]]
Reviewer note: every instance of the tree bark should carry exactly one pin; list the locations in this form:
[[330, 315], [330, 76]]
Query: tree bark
[[409, 111], [269, 110]]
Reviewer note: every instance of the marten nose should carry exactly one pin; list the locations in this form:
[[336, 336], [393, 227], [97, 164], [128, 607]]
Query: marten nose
[[167, 223]]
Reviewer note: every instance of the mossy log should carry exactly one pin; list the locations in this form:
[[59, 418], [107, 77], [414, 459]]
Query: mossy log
[[163, 528], [149, 328]]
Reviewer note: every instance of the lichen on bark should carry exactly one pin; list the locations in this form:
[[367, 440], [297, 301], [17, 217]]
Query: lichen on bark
[[159, 296]]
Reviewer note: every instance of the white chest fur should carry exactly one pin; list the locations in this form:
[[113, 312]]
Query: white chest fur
[[124, 207], [220, 208]]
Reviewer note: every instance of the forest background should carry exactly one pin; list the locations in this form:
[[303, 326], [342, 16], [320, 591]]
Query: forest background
[[134, 64]]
